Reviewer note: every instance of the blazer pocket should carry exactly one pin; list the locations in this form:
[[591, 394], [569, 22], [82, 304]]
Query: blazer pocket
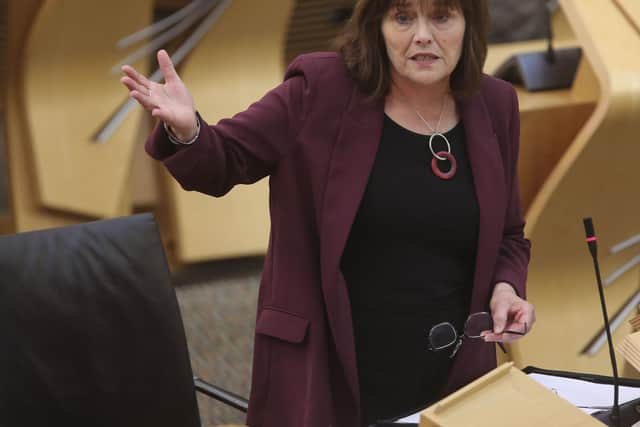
[[282, 325]]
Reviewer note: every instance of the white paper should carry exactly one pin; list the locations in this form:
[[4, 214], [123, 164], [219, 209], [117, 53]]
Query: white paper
[[414, 418], [586, 395]]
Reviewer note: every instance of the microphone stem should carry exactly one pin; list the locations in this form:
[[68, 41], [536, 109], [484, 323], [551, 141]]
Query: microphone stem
[[551, 54], [612, 354]]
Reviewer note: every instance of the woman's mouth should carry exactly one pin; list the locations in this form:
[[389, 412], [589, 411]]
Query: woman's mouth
[[424, 57]]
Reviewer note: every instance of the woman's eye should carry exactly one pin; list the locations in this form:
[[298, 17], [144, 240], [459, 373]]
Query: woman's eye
[[441, 19], [403, 18]]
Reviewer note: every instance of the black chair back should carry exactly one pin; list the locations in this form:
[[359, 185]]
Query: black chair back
[[90, 329]]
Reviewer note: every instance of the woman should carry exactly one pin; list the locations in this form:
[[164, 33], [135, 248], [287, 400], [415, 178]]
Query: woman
[[394, 208]]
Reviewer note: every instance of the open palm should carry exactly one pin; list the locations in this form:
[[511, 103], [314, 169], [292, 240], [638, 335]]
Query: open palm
[[170, 101]]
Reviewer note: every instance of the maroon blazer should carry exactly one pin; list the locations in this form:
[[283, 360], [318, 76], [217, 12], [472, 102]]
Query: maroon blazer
[[316, 137]]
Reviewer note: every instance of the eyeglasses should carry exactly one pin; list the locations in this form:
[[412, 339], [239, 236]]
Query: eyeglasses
[[444, 335]]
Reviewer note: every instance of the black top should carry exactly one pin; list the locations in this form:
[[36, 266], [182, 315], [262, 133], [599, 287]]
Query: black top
[[409, 265]]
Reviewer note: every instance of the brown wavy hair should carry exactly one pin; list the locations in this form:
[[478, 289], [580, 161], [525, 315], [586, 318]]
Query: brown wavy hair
[[362, 45]]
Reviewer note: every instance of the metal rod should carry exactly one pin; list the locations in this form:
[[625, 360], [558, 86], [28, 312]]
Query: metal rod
[[220, 394], [596, 343], [158, 26], [116, 119], [625, 244], [164, 38], [621, 270]]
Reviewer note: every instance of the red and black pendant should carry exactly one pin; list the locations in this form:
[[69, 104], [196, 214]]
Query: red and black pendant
[[442, 155], [452, 169]]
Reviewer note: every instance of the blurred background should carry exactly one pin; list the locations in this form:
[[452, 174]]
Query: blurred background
[[71, 150]]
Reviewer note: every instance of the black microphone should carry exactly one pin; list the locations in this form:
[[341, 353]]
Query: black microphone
[[627, 414], [550, 7], [592, 242]]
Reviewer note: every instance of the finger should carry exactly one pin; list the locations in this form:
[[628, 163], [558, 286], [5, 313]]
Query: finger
[[499, 315], [143, 100], [131, 72], [161, 114], [492, 337], [525, 315], [531, 313], [519, 327], [515, 325], [166, 66], [128, 83], [504, 337], [133, 85]]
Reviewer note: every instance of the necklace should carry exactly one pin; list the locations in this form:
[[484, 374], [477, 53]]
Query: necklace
[[440, 155]]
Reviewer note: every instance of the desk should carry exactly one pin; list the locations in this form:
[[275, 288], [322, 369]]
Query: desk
[[505, 395], [549, 120]]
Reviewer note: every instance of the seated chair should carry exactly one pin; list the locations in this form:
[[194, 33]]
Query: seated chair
[[91, 332]]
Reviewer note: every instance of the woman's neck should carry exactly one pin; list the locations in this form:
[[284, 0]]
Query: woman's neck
[[406, 102], [421, 97]]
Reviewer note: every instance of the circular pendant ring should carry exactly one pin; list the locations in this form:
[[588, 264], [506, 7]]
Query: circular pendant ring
[[437, 155], [445, 156]]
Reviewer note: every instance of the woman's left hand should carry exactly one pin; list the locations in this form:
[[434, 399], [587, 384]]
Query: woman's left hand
[[509, 313]]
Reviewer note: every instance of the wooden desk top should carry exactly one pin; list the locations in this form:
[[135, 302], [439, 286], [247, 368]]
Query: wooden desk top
[[585, 90], [534, 101]]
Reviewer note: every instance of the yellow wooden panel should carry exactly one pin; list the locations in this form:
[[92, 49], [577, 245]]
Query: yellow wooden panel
[[549, 120], [597, 176], [238, 61], [69, 93], [631, 9], [545, 135], [25, 211], [145, 193], [505, 397], [6, 224]]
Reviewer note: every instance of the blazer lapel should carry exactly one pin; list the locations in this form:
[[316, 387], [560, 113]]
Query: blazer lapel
[[349, 169], [489, 181], [490, 185]]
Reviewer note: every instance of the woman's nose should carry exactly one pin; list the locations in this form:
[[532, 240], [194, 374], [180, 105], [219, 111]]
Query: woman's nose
[[423, 34]]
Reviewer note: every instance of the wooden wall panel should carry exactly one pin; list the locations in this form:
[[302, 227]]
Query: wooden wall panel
[[631, 9], [69, 94], [237, 62], [549, 120], [597, 176], [25, 210], [4, 42]]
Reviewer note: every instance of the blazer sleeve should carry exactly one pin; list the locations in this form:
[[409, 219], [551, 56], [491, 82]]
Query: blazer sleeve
[[242, 149], [514, 251]]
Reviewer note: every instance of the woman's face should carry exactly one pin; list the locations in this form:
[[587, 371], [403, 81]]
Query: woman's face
[[424, 43]]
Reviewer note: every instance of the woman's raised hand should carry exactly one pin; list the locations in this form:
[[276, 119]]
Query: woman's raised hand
[[170, 101]]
